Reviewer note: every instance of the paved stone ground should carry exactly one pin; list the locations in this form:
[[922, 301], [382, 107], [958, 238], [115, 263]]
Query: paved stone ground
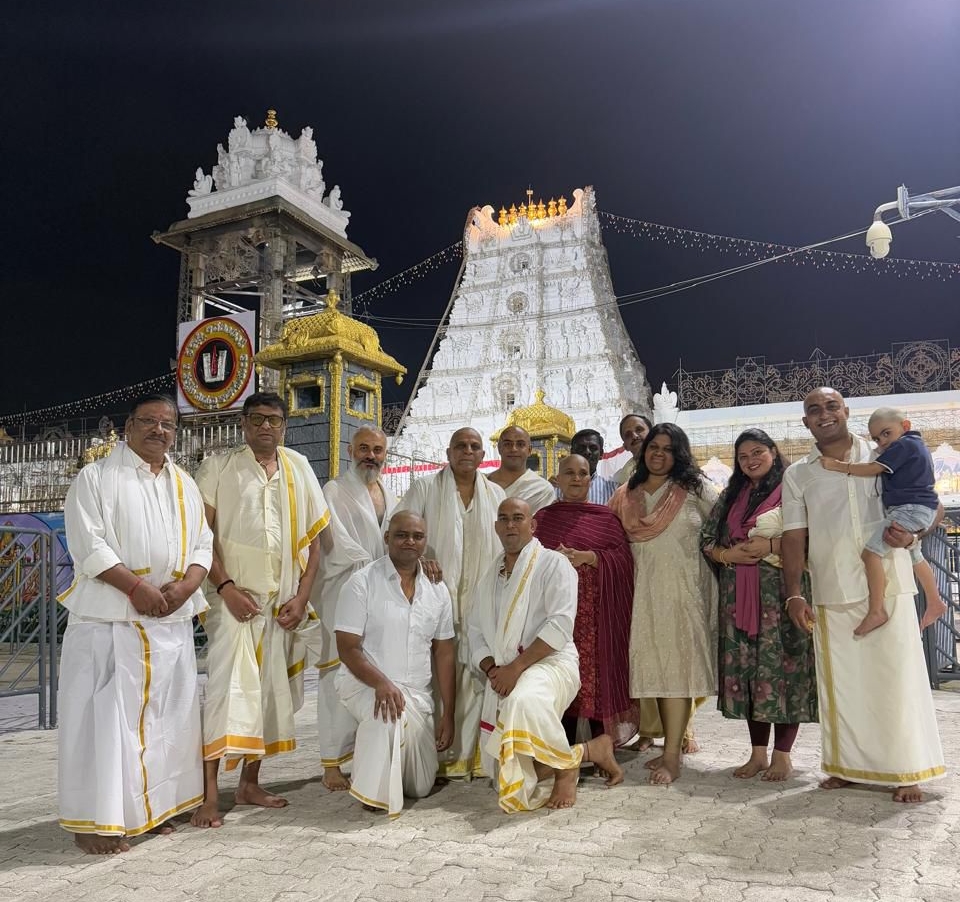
[[709, 837]]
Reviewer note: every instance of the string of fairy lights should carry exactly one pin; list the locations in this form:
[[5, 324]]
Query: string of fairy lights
[[361, 302], [745, 247], [757, 252], [159, 384]]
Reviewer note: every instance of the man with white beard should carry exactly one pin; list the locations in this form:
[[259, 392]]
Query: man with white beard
[[363, 504]]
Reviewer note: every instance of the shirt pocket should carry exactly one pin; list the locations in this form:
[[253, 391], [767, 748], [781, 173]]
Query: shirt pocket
[[873, 487], [421, 625]]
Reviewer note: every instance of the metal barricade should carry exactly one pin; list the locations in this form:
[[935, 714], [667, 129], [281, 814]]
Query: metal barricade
[[400, 470], [942, 550], [25, 616]]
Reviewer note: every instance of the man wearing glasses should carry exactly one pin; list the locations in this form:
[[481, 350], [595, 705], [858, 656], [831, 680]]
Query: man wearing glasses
[[129, 714], [269, 519], [394, 632]]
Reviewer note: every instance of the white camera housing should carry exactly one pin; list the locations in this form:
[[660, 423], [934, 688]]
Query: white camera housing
[[879, 237]]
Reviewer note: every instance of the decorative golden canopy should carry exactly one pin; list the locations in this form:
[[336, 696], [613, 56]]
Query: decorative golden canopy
[[531, 210], [540, 421], [323, 335]]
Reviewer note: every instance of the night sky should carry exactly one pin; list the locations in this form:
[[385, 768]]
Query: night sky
[[786, 122]]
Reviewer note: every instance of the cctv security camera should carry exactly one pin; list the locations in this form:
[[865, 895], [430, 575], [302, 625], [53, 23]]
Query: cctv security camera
[[879, 237]]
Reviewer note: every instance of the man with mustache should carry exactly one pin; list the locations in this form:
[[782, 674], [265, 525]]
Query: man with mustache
[[588, 443], [876, 712], [363, 504], [394, 632], [129, 714], [271, 527]]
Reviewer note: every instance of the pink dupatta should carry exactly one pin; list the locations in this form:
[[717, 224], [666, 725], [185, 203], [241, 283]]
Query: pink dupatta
[[631, 507], [739, 524]]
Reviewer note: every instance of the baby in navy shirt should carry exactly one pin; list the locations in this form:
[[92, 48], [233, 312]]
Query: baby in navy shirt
[[905, 468]]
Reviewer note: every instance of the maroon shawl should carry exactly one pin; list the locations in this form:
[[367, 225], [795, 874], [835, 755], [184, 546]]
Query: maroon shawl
[[594, 527], [739, 524]]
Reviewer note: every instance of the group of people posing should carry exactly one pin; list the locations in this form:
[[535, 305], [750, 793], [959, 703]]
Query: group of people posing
[[500, 626]]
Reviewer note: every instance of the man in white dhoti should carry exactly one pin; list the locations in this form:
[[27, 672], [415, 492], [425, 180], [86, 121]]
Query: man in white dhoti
[[129, 743], [362, 503], [460, 507], [521, 639], [390, 620], [514, 477], [269, 519], [877, 718]]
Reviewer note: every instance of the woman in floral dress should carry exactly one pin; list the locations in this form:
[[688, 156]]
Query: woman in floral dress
[[766, 666]]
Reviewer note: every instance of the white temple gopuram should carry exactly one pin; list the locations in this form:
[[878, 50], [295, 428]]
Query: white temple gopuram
[[534, 308]]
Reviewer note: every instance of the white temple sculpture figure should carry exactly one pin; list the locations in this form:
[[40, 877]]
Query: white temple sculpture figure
[[268, 162], [202, 184], [239, 136], [665, 408], [333, 201], [306, 146]]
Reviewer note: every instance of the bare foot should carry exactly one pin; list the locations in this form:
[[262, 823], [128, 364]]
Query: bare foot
[[908, 794], [255, 794], [564, 793], [333, 778], [690, 746], [94, 844], [667, 772], [781, 768], [834, 783], [644, 743], [933, 612], [653, 763], [164, 829], [600, 751], [869, 623], [757, 764], [207, 815]]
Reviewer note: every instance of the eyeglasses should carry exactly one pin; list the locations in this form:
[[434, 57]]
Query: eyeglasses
[[153, 422], [274, 420]]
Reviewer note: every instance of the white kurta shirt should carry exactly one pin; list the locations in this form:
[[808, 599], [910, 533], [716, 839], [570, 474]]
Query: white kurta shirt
[[248, 520], [154, 500], [840, 513], [397, 634]]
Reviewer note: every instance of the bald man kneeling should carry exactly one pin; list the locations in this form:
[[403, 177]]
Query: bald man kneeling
[[520, 628]]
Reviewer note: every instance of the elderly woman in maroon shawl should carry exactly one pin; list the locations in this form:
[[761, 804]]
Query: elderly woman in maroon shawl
[[591, 537]]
